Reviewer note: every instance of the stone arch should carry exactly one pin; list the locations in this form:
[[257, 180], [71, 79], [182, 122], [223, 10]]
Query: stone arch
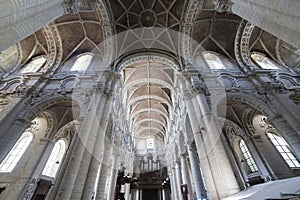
[[249, 105], [47, 102]]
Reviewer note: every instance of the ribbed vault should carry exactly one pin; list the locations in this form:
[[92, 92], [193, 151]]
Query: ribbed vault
[[148, 87]]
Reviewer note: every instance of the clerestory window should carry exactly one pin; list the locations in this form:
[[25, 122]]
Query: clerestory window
[[13, 157], [82, 63], [34, 65], [213, 61], [263, 61], [55, 159], [284, 149], [248, 157]]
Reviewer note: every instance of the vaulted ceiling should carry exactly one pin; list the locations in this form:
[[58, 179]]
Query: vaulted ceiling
[[148, 87], [148, 84]]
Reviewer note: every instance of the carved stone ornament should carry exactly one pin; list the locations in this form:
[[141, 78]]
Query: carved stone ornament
[[30, 189], [68, 6], [222, 5]]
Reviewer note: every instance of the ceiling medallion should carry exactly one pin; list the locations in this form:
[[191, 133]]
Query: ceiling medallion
[[147, 18]]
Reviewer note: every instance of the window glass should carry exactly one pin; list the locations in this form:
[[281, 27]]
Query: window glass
[[34, 65], [16, 152], [55, 159], [150, 144], [284, 149], [248, 157], [82, 63], [263, 61], [213, 61]]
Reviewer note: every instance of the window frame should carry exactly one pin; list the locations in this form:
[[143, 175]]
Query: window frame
[[217, 62], [77, 63], [54, 161], [15, 159], [248, 158], [260, 64], [24, 70], [285, 150]]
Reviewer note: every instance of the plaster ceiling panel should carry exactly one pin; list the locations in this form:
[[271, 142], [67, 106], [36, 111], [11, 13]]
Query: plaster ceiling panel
[[79, 33], [150, 91], [89, 16], [150, 115], [224, 32], [67, 18], [265, 43], [94, 32], [150, 106], [228, 16], [151, 124], [159, 7], [216, 31], [41, 39], [204, 15], [269, 41], [145, 13], [201, 31], [255, 36], [136, 7], [27, 46], [210, 45], [86, 46], [70, 40], [147, 132], [176, 8]]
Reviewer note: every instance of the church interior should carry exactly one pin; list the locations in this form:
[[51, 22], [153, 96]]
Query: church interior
[[149, 99]]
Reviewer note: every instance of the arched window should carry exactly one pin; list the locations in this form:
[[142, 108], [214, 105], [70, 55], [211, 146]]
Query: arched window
[[150, 144], [82, 63], [55, 159], [16, 152], [263, 61], [284, 149], [247, 156], [213, 61], [34, 65]]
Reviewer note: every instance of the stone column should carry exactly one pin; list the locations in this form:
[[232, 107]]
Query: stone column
[[279, 17], [127, 191], [173, 184], [77, 168], [103, 172], [197, 176], [196, 122], [225, 181], [185, 175], [135, 194], [88, 169], [178, 180], [98, 150], [22, 18], [113, 178], [163, 194]]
